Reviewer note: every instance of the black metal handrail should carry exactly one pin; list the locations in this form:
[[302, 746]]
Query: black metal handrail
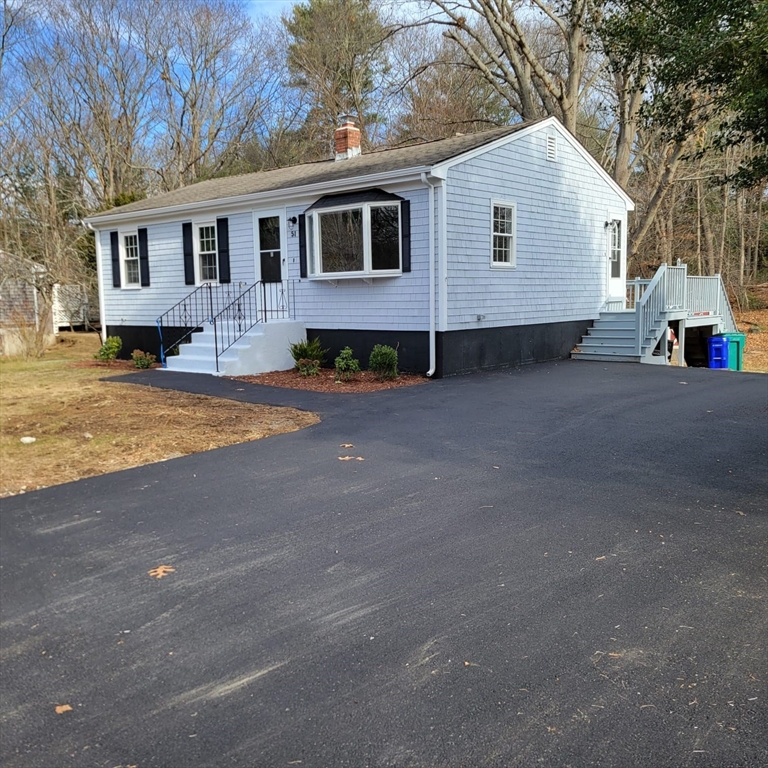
[[187, 316], [258, 304]]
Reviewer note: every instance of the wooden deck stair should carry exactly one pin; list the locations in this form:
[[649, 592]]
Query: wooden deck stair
[[629, 330], [613, 338]]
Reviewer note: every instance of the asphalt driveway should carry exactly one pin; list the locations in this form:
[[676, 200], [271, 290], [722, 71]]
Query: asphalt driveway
[[562, 565]]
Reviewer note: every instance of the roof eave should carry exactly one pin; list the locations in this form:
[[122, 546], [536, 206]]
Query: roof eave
[[325, 187]]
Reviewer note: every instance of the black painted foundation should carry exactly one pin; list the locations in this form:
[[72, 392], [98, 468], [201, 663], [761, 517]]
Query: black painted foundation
[[462, 351], [412, 346], [458, 352], [143, 337]]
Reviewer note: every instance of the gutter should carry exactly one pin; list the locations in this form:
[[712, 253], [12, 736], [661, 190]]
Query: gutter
[[429, 179]]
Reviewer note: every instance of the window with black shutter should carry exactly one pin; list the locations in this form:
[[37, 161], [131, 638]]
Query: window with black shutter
[[361, 234]]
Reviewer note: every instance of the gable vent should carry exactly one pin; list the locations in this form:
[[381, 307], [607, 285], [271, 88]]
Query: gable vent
[[551, 147]]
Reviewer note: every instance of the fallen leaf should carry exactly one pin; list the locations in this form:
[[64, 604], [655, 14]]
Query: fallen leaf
[[346, 458], [62, 708], [683, 382], [160, 571], [615, 655], [360, 458], [600, 558], [739, 512], [346, 445]]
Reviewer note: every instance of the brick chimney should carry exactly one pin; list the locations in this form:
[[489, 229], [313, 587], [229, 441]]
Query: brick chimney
[[347, 139]]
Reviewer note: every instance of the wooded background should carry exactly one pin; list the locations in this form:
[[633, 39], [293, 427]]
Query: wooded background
[[103, 102]]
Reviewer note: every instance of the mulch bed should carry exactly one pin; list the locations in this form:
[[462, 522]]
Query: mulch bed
[[325, 381]]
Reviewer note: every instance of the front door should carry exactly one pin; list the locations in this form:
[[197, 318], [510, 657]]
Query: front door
[[270, 255], [617, 261]]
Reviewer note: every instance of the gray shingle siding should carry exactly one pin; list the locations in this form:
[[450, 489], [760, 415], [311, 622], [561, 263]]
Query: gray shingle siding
[[561, 256]]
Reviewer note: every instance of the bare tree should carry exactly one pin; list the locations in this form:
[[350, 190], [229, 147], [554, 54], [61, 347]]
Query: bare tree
[[535, 53], [437, 91], [214, 81]]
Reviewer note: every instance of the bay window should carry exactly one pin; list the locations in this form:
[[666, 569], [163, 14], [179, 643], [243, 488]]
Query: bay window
[[358, 235]]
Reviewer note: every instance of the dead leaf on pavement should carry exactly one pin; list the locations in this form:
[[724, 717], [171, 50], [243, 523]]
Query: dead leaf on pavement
[[346, 445], [160, 571], [739, 512], [346, 458], [62, 708], [602, 557]]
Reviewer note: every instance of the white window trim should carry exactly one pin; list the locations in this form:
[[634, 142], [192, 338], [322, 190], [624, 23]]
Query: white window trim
[[513, 263], [124, 284], [196, 250], [313, 220]]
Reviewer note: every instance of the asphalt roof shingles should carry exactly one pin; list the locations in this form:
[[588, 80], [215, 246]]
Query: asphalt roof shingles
[[426, 154]]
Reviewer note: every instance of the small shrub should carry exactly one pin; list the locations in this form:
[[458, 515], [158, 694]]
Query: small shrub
[[346, 365], [308, 350], [142, 359], [308, 367], [110, 348], [383, 362]]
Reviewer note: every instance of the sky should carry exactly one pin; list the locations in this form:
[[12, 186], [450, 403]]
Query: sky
[[257, 8]]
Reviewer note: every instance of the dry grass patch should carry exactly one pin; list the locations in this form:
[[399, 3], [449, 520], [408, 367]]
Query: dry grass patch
[[755, 324], [84, 427]]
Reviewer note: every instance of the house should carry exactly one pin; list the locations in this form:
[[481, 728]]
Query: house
[[478, 251]]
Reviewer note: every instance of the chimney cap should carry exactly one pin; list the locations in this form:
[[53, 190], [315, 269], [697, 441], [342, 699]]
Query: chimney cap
[[347, 120]]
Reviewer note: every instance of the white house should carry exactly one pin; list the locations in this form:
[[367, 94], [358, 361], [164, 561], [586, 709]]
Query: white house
[[478, 251]]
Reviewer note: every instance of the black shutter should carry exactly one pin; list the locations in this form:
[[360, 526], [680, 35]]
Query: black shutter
[[143, 257], [405, 233], [303, 245], [114, 241], [189, 254], [222, 243]]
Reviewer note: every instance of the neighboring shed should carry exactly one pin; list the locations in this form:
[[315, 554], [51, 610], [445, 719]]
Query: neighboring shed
[[25, 323]]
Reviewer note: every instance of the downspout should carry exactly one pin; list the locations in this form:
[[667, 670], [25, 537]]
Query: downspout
[[432, 328], [99, 279]]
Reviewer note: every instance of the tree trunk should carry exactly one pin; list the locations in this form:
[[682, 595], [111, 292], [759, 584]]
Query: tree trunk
[[646, 221]]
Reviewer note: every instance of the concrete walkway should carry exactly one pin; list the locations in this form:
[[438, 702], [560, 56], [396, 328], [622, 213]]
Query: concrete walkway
[[562, 565]]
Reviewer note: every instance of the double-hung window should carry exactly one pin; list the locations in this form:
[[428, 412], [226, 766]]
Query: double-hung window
[[131, 272], [356, 240], [207, 254], [503, 234]]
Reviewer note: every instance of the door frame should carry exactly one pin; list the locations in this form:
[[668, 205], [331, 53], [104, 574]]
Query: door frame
[[616, 287], [263, 213]]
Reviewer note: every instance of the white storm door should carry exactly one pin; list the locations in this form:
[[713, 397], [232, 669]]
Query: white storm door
[[616, 237]]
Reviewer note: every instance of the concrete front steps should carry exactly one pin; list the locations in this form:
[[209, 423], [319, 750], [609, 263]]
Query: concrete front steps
[[612, 339], [262, 349]]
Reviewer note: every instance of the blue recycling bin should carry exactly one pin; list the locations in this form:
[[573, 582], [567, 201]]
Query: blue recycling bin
[[718, 352]]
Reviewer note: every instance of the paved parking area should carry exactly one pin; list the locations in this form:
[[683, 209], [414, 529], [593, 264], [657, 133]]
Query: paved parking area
[[562, 565]]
